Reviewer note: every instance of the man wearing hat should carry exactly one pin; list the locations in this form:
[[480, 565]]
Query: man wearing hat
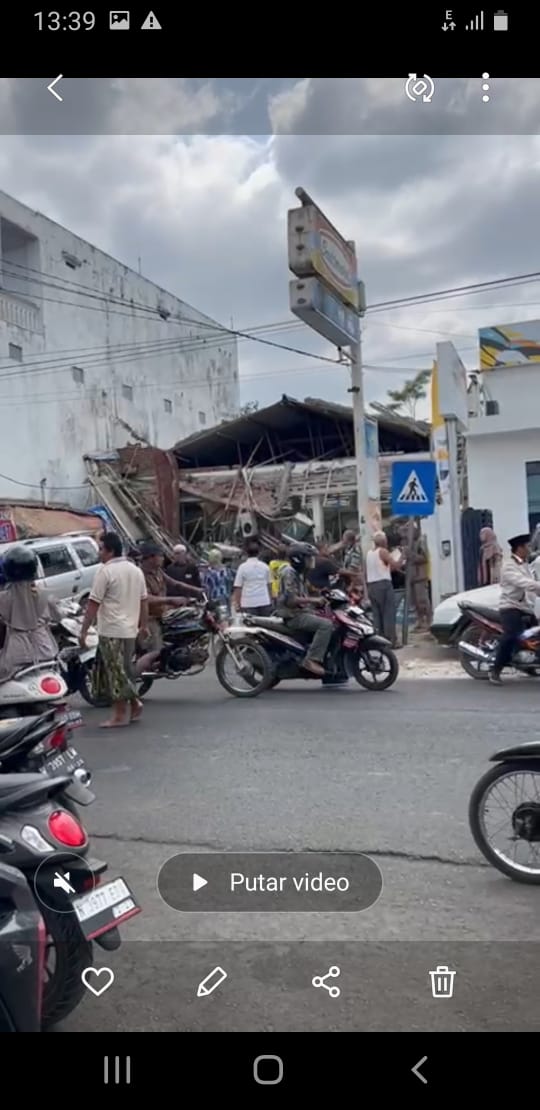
[[516, 604], [160, 588]]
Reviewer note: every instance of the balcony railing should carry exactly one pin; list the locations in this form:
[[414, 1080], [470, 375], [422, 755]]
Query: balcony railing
[[20, 313]]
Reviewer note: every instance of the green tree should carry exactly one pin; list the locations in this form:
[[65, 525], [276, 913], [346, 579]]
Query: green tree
[[414, 390]]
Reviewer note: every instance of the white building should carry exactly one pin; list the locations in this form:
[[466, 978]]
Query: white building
[[503, 441], [93, 355]]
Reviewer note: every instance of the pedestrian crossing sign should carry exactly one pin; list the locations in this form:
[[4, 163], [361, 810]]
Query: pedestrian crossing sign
[[414, 488]]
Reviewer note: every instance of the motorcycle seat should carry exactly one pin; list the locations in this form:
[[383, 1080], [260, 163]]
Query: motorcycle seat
[[15, 729], [482, 610]]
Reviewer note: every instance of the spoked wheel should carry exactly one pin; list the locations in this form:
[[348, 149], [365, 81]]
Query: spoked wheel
[[475, 668], [504, 816], [243, 668], [374, 668], [86, 688]]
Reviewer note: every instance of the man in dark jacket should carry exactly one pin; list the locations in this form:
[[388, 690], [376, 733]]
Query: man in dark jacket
[[182, 568]]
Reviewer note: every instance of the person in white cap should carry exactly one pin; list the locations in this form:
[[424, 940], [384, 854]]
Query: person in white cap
[[183, 568]]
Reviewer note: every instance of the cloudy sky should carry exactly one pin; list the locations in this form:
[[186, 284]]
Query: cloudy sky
[[435, 195]]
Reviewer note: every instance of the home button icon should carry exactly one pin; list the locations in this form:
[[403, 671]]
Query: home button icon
[[268, 1070]]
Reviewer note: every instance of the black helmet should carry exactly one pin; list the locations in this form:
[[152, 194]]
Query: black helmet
[[299, 553], [20, 564]]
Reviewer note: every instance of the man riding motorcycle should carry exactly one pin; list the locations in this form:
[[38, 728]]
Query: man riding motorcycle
[[293, 603], [25, 614]]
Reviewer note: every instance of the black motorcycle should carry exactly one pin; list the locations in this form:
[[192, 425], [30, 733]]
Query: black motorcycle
[[41, 835], [189, 634], [504, 812], [22, 954], [355, 651]]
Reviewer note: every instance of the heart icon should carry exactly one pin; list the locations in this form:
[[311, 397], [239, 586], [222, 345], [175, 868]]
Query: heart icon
[[98, 973]]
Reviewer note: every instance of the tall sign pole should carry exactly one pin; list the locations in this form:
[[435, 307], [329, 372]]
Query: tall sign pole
[[359, 421], [330, 299]]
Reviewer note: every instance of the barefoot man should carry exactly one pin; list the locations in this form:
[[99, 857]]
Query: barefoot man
[[119, 602]]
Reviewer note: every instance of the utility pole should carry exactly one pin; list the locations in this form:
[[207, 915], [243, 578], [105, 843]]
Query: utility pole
[[359, 422]]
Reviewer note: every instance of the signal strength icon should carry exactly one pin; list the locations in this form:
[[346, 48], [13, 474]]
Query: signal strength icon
[[476, 24]]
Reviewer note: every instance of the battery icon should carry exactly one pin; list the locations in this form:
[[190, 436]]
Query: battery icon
[[500, 21]]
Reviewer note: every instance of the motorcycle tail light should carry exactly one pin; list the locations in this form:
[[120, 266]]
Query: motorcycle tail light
[[59, 738], [66, 829], [50, 685]]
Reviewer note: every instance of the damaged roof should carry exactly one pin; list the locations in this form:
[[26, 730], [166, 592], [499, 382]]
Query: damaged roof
[[296, 431]]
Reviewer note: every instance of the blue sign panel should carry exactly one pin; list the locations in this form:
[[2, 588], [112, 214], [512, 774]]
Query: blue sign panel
[[413, 488]]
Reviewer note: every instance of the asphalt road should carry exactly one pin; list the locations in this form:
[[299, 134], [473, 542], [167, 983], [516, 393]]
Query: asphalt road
[[303, 769]]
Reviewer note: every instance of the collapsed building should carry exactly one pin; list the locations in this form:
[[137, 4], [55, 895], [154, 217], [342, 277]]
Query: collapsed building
[[287, 470]]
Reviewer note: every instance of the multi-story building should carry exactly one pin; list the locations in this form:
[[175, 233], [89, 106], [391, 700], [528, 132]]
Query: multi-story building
[[94, 355]]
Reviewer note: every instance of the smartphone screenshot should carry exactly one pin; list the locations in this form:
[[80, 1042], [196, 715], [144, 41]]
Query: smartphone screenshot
[[270, 543]]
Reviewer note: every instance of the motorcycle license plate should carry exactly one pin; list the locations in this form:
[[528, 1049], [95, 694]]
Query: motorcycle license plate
[[102, 909], [63, 763]]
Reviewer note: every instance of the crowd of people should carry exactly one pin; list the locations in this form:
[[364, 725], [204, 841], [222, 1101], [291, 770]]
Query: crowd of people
[[132, 591]]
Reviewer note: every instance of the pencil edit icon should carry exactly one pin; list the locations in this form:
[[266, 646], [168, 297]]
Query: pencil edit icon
[[212, 981]]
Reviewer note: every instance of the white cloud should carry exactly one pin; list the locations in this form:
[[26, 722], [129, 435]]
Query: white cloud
[[207, 216]]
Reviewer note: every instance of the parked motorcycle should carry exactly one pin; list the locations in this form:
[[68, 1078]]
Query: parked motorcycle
[[190, 633], [50, 846], [22, 954], [355, 650], [43, 744], [478, 645], [32, 690], [504, 812], [76, 664]]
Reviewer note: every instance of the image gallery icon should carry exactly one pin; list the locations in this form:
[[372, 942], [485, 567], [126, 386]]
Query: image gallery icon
[[119, 21], [442, 982]]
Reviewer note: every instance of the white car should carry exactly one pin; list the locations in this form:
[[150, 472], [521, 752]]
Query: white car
[[66, 564], [448, 620]]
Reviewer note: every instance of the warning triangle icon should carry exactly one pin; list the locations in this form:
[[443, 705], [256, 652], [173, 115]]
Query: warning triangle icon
[[413, 491], [151, 23]]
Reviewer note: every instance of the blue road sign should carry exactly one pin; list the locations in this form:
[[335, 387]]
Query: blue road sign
[[413, 488]]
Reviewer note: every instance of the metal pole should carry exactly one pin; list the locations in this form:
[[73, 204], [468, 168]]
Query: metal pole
[[455, 504], [357, 390], [408, 582]]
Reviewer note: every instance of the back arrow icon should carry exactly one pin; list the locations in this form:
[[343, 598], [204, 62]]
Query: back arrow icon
[[416, 1070], [51, 88]]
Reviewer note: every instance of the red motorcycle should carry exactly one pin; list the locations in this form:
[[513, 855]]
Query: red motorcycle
[[355, 650]]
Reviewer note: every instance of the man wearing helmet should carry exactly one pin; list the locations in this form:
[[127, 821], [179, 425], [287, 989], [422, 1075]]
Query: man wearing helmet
[[293, 601]]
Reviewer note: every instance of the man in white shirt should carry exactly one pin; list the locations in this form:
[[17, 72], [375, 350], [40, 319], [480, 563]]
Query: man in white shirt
[[252, 585], [516, 605], [118, 603]]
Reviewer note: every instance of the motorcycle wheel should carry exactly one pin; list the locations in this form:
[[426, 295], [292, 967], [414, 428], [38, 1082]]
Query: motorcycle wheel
[[63, 987], [378, 679], [474, 669], [255, 657], [86, 690], [477, 811]]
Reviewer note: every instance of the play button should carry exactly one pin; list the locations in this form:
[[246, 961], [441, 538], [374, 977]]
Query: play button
[[198, 881]]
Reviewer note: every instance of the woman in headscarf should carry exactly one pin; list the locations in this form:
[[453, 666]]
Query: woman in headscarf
[[489, 567], [24, 616]]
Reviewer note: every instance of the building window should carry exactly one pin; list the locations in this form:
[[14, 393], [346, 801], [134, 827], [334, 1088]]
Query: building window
[[78, 375], [167, 405], [15, 352], [127, 392], [532, 470], [202, 418]]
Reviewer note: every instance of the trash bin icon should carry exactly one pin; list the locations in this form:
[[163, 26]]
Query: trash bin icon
[[442, 982]]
